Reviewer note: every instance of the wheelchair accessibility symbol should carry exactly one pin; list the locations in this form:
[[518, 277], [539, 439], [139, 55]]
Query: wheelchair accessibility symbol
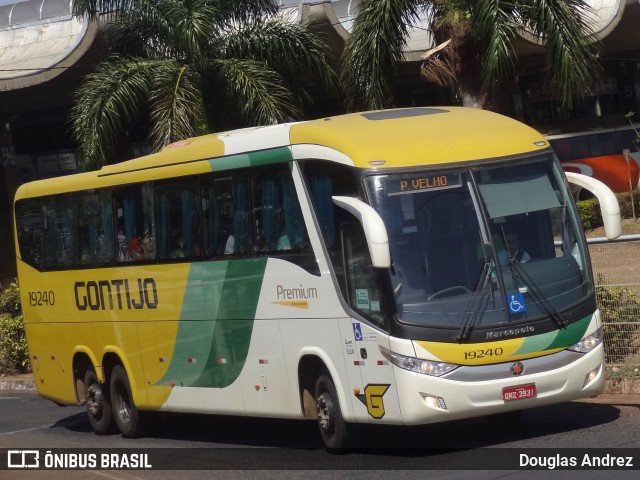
[[516, 303], [357, 332]]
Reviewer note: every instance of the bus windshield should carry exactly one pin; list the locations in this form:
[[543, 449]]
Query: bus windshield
[[482, 246]]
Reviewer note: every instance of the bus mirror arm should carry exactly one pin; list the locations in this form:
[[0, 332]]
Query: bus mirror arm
[[374, 229], [608, 202]]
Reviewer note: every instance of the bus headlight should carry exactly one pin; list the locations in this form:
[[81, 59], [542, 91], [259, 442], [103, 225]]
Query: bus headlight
[[588, 343], [413, 364]]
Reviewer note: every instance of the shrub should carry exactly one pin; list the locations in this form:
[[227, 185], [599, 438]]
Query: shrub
[[625, 202], [14, 357], [590, 216], [620, 309], [10, 300]]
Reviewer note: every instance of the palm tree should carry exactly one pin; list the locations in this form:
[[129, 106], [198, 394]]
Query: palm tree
[[476, 47], [189, 65]]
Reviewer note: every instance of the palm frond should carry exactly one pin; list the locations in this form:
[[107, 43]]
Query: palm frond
[[255, 92], [233, 11], [436, 70], [373, 51], [563, 27], [109, 100], [177, 110], [495, 25], [299, 54], [207, 53]]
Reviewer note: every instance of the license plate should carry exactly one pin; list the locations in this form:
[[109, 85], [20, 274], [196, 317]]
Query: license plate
[[519, 392]]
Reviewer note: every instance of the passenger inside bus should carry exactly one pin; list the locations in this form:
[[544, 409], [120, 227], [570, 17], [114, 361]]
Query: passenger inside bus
[[178, 251]]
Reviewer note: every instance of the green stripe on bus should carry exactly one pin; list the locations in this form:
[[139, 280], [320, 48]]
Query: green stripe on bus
[[216, 323], [562, 338], [252, 159], [572, 334], [274, 155]]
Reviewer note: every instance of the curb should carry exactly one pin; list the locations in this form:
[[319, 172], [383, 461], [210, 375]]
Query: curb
[[617, 386], [17, 385], [624, 385]]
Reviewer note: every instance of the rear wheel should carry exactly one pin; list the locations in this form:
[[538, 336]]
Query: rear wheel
[[96, 398], [333, 428], [129, 419]]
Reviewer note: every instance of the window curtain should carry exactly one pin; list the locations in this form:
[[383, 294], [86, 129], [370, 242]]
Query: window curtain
[[66, 236], [164, 227], [241, 217], [322, 193], [188, 220], [51, 236], [270, 210], [212, 222], [106, 244], [92, 236], [293, 222], [129, 216]]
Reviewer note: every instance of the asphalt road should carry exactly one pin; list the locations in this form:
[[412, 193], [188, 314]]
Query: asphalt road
[[181, 446]]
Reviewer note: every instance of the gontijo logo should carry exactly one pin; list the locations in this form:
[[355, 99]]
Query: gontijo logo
[[373, 399], [116, 294]]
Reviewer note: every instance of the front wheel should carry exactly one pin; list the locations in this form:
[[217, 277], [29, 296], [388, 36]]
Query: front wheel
[[96, 398], [333, 428], [129, 419]]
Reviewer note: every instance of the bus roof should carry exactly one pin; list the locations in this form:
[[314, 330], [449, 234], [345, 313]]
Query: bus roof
[[377, 139], [420, 136]]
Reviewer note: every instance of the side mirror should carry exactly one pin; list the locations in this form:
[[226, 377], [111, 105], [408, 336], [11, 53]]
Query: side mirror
[[608, 202], [374, 229]]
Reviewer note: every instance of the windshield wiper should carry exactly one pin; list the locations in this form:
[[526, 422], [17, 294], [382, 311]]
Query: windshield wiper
[[521, 274], [473, 307]]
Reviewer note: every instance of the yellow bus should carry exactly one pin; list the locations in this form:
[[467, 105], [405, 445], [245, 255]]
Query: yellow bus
[[357, 269]]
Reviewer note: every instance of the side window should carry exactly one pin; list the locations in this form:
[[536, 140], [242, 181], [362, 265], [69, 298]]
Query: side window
[[279, 227], [135, 224], [226, 214], [58, 231], [95, 227], [363, 281], [217, 214], [344, 238], [30, 230], [240, 242], [324, 180], [178, 219]]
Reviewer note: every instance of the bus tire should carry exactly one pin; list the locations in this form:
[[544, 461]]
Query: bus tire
[[129, 419], [96, 398], [333, 428]]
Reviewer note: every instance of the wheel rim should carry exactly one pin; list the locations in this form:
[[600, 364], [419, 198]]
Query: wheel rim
[[94, 400], [325, 408], [122, 408]]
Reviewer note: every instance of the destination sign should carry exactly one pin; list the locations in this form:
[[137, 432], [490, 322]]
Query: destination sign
[[399, 185]]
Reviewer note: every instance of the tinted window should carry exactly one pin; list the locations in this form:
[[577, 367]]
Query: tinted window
[[30, 230], [136, 230]]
